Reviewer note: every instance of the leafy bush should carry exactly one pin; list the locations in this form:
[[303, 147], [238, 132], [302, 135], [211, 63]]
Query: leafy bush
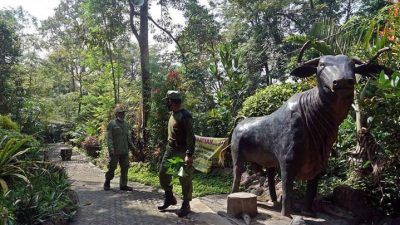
[[90, 141], [45, 199], [9, 164], [7, 124], [381, 105], [269, 99]]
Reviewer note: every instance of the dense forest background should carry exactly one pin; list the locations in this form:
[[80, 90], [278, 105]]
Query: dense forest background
[[230, 58]]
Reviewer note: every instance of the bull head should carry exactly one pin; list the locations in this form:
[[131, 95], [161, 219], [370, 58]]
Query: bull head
[[336, 73]]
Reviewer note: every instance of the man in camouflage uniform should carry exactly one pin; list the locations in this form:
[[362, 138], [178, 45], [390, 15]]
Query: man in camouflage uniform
[[119, 143], [180, 143]]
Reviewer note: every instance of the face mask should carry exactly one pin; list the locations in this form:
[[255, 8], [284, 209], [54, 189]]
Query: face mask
[[120, 116], [168, 105]]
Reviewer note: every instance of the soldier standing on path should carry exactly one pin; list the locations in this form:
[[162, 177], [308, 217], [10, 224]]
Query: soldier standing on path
[[180, 143], [119, 142]]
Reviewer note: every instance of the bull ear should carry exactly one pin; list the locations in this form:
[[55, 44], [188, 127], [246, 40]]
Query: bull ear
[[304, 71], [371, 70]]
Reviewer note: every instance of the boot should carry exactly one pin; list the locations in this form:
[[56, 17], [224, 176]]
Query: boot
[[126, 188], [106, 185], [169, 200], [185, 209]]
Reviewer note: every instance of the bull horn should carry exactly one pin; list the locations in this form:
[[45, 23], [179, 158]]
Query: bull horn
[[358, 61], [378, 53], [312, 62], [303, 48]]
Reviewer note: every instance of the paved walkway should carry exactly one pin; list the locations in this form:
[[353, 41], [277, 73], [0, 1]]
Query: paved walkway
[[99, 207], [114, 207]]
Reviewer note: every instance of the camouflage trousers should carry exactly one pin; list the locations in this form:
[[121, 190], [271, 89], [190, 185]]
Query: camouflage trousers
[[166, 179], [123, 161]]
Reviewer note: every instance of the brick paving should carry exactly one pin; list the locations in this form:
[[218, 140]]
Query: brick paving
[[114, 207]]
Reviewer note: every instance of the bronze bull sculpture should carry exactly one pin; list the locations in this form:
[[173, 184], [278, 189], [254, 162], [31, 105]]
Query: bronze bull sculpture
[[298, 137]]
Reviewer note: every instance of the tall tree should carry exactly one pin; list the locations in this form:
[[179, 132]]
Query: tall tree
[[9, 54], [66, 36], [141, 33]]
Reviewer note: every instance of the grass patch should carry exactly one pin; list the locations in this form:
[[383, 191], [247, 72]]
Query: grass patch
[[146, 173], [203, 184]]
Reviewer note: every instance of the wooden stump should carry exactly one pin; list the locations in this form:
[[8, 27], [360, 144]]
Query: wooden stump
[[65, 153], [242, 203]]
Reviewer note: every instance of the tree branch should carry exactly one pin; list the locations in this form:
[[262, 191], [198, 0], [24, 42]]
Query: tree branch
[[172, 37], [132, 25]]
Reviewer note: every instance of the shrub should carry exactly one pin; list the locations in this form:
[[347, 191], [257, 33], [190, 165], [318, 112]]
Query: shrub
[[7, 124], [269, 99], [381, 105], [45, 199], [9, 163], [90, 141], [91, 145]]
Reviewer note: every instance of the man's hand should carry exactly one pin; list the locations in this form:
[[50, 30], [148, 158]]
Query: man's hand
[[188, 160]]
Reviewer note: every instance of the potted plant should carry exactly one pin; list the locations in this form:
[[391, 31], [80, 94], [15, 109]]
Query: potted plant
[[92, 146]]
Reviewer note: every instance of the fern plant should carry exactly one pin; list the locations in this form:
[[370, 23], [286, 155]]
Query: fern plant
[[10, 166]]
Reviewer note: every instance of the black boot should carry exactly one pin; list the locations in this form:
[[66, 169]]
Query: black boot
[[169, 200], [185, 209], [126, 188], [106, 185]]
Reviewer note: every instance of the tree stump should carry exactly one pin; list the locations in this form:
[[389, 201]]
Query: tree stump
[[242, 203], [65, 153]]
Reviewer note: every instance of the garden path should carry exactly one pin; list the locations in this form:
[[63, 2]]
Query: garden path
[[115, 207]]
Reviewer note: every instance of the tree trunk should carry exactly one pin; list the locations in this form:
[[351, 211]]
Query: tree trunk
[[3, 105], [361, 118], [267, 73], [80, 94], [72, 88], [311, 4], [348, 10], [110, 57], [145, 68], [242, 203]]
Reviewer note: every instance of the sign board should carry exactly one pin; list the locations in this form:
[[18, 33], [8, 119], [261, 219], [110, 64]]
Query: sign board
[[207, 152]]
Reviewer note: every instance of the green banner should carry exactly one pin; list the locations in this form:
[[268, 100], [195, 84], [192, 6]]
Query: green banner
[[207, 152]]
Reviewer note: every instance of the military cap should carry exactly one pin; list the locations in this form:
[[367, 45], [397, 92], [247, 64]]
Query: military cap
[[173, 95], [119, 109]]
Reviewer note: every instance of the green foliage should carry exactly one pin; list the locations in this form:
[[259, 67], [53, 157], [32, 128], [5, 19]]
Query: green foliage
[[9, 54], [269, 99], [203, 184], [9, 163], [45, 199], [7, 124], [382, 105], [175, 166], [233, 87], [32, 191]]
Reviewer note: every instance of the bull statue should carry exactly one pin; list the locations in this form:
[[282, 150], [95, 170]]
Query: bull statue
[[298, 137]]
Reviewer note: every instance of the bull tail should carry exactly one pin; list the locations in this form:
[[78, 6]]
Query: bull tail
[[221, 158]]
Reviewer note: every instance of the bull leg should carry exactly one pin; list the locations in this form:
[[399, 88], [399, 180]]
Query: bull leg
[[271, 184], [312, 186], [237, 175], [287, 188]]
